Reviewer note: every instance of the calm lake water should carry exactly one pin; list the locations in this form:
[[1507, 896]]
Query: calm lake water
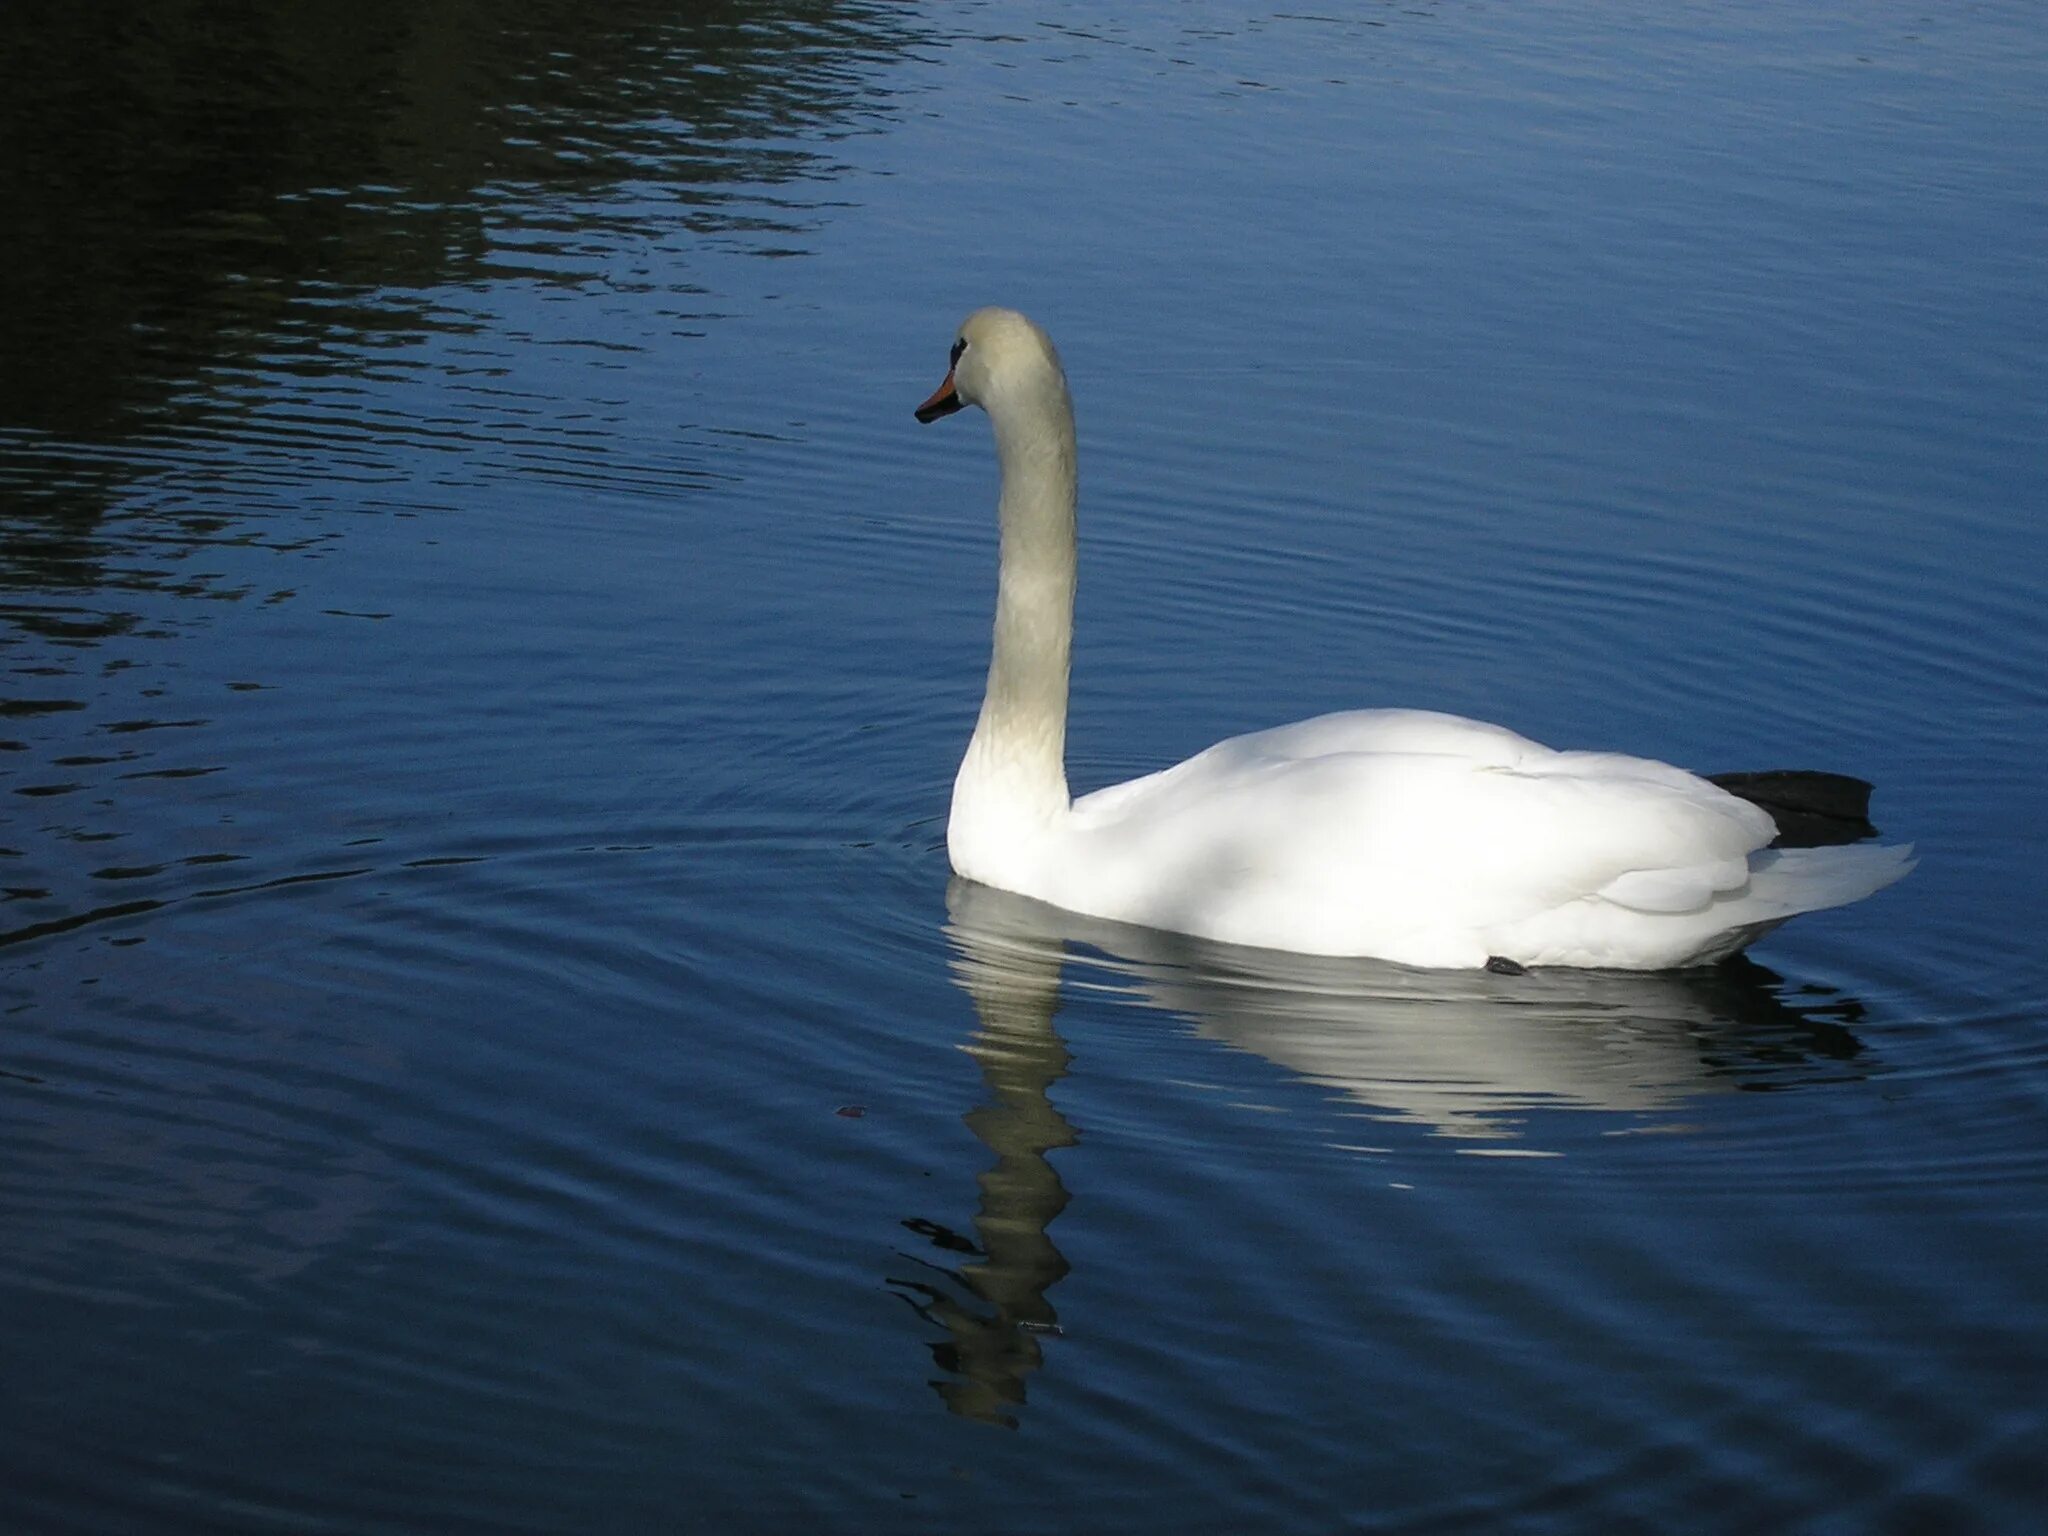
[[487, 1043]]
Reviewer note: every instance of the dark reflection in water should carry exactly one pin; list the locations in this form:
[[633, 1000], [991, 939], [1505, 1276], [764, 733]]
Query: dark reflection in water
[[211, 206], [1471, 1056], [190, 185]]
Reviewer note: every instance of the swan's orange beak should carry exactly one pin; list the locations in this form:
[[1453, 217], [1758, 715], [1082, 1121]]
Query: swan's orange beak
[[944, 402]]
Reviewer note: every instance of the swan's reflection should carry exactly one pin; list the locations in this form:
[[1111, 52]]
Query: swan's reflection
[[1467, 1055], [993, 1338]]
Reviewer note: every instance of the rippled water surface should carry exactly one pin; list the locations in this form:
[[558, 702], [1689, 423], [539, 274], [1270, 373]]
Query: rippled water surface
[[488, 1042]]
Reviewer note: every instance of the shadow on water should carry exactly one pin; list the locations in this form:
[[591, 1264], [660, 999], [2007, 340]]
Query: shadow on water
[[1469, 1056]]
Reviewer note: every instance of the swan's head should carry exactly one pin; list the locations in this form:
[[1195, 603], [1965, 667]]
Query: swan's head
[[997, 357]]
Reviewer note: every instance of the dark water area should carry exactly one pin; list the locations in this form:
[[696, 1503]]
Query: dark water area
[[488, 1038]]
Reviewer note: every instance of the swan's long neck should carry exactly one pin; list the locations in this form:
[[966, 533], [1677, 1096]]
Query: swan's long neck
[[1013, 780]]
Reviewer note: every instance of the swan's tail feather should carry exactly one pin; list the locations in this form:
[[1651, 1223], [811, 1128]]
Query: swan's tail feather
[[1812, 809], [1784, 882]]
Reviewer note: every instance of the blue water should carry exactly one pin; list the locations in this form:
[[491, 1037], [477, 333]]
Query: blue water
[[488, 1040]]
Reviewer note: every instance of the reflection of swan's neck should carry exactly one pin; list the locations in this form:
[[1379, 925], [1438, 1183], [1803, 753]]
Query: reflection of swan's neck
[[1013, 780], [1015, 992]]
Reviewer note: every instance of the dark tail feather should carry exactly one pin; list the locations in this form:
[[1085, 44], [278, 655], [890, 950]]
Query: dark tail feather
[[1812, 810]]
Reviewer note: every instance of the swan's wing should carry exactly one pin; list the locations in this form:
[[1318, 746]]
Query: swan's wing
[[1648, 836], [1355, 847]]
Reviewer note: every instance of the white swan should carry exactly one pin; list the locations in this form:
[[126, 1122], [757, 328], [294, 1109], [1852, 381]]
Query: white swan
[[1402, 835]]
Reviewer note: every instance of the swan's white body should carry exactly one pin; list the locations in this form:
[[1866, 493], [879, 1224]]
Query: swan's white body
[[1403, 835]]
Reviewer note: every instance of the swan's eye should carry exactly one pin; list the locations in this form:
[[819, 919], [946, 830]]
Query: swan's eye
[[953, 359]]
